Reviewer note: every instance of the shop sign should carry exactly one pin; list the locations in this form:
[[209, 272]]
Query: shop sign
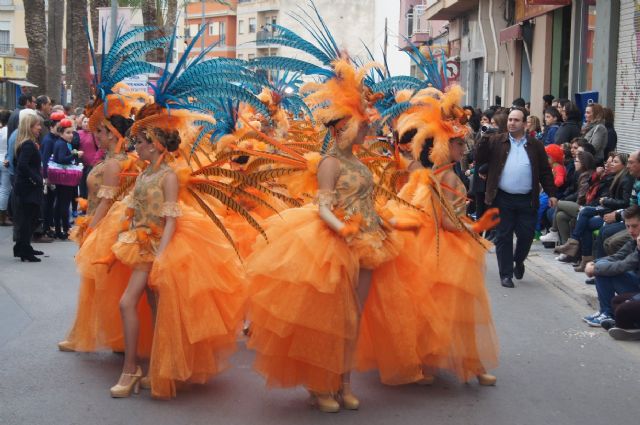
[[528, 9], [14, 68]]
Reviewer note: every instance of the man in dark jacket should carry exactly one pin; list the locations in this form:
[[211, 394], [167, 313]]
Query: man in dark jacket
[[25, 101], [617, 273], [517, 166]]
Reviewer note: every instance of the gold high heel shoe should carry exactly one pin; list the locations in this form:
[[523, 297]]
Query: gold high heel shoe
[[349, 401], [122, 391], [66, 346], [324, 402], [487, 380]]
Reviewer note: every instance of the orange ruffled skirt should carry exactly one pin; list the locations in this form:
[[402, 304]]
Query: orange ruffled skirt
[[97, 324], [201, 293], [429, 308], [303, 305]]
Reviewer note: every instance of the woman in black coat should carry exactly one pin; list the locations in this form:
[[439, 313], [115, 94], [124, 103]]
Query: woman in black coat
[[28, 188]]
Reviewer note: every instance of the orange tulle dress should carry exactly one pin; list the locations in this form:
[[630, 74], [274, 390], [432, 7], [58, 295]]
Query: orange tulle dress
[[198, 281], [437, 316], [303, 303], [97, 324]]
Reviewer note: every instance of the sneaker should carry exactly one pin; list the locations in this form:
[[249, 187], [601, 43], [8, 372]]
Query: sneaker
[[625, 334], [597, 322], [586, 319], [551, 236]]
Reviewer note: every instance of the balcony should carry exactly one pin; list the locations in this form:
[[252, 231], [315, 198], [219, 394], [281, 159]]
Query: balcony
[[419, 29], [258, 5], [7, 50], [448, 9], [7, 5]]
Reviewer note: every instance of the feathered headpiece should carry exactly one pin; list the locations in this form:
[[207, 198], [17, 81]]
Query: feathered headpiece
[[342, 97], [434, 115]]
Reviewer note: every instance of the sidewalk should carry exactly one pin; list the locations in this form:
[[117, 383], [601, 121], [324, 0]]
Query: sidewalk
[[542, 263]]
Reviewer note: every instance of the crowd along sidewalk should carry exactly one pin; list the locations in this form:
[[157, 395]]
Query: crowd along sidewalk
[[543, 264]]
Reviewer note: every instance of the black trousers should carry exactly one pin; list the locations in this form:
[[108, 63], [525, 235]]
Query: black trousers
[[517, 215], [63, 202], [26, 218]]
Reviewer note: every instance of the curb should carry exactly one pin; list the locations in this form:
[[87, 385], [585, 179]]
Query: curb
[[542, 263]]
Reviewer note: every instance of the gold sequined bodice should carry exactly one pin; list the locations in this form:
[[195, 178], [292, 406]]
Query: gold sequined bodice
[[354, 192], [147, 199], [95, 182]]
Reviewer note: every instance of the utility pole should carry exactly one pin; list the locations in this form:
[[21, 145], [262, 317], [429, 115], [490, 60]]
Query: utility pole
[[114, 23], [202, 26]]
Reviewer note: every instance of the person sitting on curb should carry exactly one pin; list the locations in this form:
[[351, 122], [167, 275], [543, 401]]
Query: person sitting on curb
[[613, 235], [626, 310], [617, 273]]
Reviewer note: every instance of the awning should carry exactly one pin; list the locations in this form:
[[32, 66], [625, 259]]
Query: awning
[[22, 83], [511, 33]]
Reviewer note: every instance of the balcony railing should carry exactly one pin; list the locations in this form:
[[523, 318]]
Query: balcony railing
[[7, 50], [264, 35]]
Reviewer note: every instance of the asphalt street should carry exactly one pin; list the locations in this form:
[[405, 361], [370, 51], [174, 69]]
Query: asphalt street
[[554, 369]]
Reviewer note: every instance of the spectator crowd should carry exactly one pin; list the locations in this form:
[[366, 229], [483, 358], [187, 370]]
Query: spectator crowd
[[560, 179]]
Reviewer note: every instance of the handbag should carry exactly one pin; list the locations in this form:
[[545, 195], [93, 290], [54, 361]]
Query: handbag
[[64, 175]]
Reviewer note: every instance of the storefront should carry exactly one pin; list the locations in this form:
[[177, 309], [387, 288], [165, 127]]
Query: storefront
[[627, 97], [13, 74]]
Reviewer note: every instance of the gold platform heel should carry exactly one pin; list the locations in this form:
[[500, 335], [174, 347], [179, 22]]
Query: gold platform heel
[[487, 380], [66, 346], [123, 391], [348, 399], [325, 402]]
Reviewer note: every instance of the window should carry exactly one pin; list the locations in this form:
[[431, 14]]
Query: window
[[240, 56], [5, 41], [251, 56], [240, 26], [193, 29], [222, 33], [274, 20], [214, 28], [252, 25]]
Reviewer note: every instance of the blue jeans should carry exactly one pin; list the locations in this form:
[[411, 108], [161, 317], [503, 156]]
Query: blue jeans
[[606, 231], [588, 220], [5, 187], [609, 286]]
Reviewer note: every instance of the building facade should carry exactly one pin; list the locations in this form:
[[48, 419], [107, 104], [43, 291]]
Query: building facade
[[13, 52], [351, 23], [220, 21]]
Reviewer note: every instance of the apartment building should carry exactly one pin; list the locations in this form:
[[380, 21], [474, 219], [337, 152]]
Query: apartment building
[[352, 22], [13, 52], [221, 26], [527, 48]]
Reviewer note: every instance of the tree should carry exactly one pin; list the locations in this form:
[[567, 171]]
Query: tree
[[55, 29], [34, 27], [95, 22], [78, 76]]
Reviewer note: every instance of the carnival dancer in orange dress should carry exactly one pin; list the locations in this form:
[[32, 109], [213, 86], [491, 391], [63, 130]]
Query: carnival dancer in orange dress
[[192, 271], [97, 323], [304, 320], [448, 323]]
